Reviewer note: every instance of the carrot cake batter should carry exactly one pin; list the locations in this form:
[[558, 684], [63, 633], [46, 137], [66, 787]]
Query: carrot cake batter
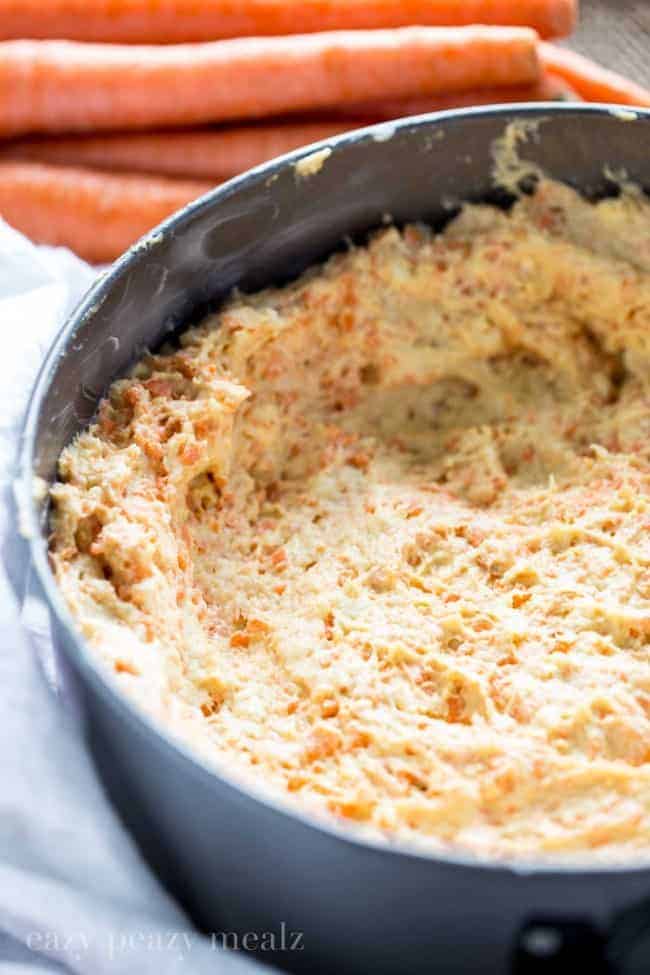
[[378, 541]]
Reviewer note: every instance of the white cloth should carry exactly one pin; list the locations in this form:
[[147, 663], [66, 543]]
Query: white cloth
[[75, 894]]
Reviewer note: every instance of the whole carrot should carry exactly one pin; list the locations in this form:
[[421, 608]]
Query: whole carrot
[[214, 154], [592, 82], [94, 214], [549, 88], [58, 86], [176, 21], [218, 154]]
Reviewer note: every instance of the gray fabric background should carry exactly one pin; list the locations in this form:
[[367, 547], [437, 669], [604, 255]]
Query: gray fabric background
[[617, 34]]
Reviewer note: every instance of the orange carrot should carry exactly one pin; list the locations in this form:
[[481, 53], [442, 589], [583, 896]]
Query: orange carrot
[[54, 86], [214, 154], [593, 82], [94, 214], [218, 154], [176, 21], [549, 88]]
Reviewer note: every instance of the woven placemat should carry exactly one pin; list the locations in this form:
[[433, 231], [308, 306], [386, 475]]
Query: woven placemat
[[617, 34]]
